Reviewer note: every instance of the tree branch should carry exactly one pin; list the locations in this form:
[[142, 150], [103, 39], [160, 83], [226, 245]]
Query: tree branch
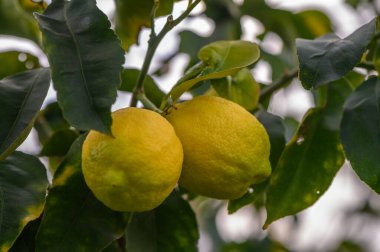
[[279, 83]]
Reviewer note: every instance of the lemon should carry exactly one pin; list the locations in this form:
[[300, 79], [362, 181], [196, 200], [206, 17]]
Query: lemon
[[226, 149], [137, 168]]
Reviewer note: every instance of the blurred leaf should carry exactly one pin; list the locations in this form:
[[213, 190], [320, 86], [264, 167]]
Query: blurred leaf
[[349, 246], [361, 132], [15, 21], [291, 126], [74, 220], [32, 6], [307, 24], [240, 88], [264, 245], [21, 97], [23, 184], [48, 121], [280, 63], [306, 167], [85, 58], [170, 227], [372, 55], [220, 59], [59, 144], [276, 131], [13, 62], [152, 91], [132, 15], [329, 58]]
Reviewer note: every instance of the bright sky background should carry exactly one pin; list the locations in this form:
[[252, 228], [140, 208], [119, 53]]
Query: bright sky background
[[323, 222]]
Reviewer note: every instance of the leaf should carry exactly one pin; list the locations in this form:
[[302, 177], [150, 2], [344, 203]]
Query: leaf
[[23, 184], [329, 58], [14, 62], [307, 24], [48, 121], [85, 57], [21, 97], [306, 167], [74, 220], [15, 21], [59, 143], [220, 59], [360, 132], [132, 15], [26, 240], [170, 227], [152, 91], [235, 204], [276, 131], [241, 88]]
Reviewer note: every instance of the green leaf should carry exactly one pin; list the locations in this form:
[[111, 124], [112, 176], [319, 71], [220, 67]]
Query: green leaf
[[74, 220], [276, 131], [170, 227], [240, 88], [360, 132], [306, 167], [48, 121], [307, 24], [13, 62], [23, 184], [59, 143], [220, 59], [21, 97], [329, 58], [132, 15], [15, 21], [85, 57], [26, 240], [246, 199], [152, 91]]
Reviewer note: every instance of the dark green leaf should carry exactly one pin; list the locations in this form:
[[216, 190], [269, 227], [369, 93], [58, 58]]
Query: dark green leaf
[[23, 184], [360, 132], [59, 143], [15, 21], [246, 199], [170, 227], [329, 58], [291, 126], [21, 97], [152, 91], [220, 59], [26, 240], [241, 88], [85, 58], [74, 220], [13, 62], [276, 131], [48, 121], [306, 167], [132, 15]]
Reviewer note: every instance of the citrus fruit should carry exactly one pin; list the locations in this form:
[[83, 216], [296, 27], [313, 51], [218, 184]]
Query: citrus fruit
[[226, 149], [137, 167]]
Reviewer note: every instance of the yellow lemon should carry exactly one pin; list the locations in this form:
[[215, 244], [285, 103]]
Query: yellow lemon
[[137, 168], [226, 149]]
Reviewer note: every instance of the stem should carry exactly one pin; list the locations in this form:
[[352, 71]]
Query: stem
[[147, 103], [153, 43], [282, 81]]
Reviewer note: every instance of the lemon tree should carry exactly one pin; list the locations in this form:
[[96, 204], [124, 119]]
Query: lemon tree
[[125, 159]]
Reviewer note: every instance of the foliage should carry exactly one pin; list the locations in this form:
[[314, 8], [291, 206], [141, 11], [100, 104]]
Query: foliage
[[86, 57]]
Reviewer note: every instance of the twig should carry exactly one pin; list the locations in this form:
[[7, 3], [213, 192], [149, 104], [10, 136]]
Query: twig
[[153, 43], [283, 80]]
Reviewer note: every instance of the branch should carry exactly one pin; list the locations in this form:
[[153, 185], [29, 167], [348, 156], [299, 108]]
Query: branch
[[282, 81], [154, 41]]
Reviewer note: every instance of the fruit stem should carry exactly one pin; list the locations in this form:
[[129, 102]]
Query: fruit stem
[[153, 43], [147, 103], [282, 81]]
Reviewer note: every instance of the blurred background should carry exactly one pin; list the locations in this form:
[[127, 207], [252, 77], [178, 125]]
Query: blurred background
[[347, 216]]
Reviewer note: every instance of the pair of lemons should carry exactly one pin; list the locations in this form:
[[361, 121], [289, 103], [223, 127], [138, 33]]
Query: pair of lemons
[[209, 145]]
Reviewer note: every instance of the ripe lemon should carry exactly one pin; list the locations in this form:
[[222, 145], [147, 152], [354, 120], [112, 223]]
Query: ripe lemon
[[137, 168], [226, 149]]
